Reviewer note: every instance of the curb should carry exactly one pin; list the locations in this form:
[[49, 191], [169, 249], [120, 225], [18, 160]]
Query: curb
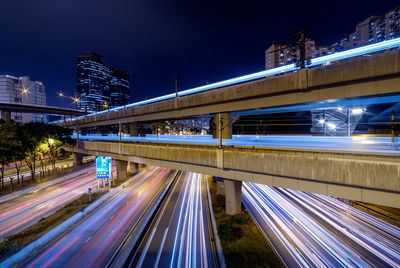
[[51, 235], [220, 254]]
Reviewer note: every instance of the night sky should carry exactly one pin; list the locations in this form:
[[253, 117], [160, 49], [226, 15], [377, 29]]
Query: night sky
[[201, 41]]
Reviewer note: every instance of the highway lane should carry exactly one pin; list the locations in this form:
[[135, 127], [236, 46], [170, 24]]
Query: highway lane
[[319, 231], [179, 234], [354, 143], [94, 240], [23, 211]]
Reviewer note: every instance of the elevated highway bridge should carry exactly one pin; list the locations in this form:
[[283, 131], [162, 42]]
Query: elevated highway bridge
[[358, 175], [367, 176]]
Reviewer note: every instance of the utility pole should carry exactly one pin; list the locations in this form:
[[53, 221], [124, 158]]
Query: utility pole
[[301, 44], [348, 122], [220, 130], [176, 91], [392, 126]]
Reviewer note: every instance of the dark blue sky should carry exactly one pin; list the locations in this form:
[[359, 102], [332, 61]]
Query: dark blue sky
[[201, 41]]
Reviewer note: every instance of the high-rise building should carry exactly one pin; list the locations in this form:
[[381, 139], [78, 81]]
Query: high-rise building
[[120, 88], [281, 54], [371, 30], [100, 87], [23, 91]]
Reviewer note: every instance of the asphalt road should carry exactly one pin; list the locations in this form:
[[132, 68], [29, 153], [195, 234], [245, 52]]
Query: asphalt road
[[179, 234], [320, 231], [21, 212], [355, 143], [94, 241]]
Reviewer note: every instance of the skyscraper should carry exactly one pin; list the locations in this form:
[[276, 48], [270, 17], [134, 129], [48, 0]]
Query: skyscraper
[[23, 91], [120, 88], [100, 87]]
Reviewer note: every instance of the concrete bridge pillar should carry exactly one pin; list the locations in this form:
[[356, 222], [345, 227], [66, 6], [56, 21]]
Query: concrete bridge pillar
[[133, 129], [133, 167], [233, 196], [6, 116], [122, 167], [220, 185], [77, 159], [222, 124]]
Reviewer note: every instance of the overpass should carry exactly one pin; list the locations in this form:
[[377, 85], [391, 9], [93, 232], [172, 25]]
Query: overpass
[[362, 77], [7, 108], [364, 176]]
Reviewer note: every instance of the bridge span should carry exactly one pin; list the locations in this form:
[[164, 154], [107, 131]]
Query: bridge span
[[363, 77], [371, 177]]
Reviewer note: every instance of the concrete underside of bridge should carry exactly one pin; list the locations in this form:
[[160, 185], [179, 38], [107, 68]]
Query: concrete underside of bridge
[[367, 177], [375, 75]]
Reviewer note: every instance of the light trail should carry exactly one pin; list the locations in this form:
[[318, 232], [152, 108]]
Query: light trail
[[21, 212], [360, 144], [93, 241], [25, 171], [179, 234], [319, 231], [371, 48]]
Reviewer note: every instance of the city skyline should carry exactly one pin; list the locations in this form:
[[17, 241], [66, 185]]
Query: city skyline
[[210, 39]]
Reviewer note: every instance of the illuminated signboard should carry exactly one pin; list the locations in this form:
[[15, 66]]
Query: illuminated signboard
[[103, 167]]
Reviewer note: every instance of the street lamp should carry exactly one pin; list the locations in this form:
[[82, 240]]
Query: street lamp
[[105, 105], [51, 141], [75, 100]]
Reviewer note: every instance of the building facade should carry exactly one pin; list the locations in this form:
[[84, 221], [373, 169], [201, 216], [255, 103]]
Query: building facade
[[23, 91], [281, 54], [100, 87], [371, 30]]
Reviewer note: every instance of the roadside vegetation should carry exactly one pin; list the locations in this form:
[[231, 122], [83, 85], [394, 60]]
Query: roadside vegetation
[[14, 243], [31, 143], [242, 242]]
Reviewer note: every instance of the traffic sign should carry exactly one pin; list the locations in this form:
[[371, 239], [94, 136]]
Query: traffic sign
[[90, 190], [103, 167]]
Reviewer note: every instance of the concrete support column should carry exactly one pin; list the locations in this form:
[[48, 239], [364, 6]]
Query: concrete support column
[[122, 167], [222, 120], [220, 185], [77, 159], [133, 167], [220, 188], [125, 128], [6, 116], [233, 196], [133, 129]]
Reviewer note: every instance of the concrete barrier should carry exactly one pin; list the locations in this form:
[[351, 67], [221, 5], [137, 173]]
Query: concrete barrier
[[120, 257], [24, 253], [218, 247]]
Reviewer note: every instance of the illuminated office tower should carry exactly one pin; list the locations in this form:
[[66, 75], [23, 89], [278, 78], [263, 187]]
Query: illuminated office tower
[[100, 87]]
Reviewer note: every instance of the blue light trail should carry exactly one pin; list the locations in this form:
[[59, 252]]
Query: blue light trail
[[381, 46]]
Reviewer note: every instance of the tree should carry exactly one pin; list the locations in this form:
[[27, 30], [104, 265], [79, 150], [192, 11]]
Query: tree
[[34, 134], [7, 142]]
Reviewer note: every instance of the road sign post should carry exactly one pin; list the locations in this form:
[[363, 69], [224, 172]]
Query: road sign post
[[103, 170]]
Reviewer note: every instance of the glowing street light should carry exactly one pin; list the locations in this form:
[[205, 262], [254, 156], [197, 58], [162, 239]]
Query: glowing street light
[[105, 105], [357, 111], [331, 125], [51, 141], [321, 121]]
